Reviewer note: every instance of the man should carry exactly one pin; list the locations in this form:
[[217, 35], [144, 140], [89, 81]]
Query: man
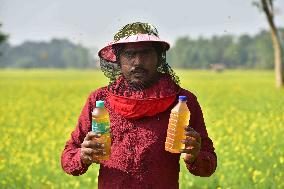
[[139, 98]]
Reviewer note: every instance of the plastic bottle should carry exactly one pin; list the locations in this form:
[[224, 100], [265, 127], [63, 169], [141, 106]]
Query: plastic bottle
[[179, 119], [101, 125]]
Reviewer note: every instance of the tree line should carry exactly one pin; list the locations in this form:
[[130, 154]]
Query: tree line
[[245, 51], [58, 53]]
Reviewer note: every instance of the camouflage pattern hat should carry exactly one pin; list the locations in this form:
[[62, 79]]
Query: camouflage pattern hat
[[131, 33]]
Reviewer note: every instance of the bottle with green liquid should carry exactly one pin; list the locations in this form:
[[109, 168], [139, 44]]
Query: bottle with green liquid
[[179, 119], [101, 125]]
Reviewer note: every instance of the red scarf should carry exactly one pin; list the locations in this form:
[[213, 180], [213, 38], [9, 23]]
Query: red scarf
[[147, 102]]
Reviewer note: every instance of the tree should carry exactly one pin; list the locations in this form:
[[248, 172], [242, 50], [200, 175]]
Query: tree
[[267, 7], [58, 53], [3, 37]]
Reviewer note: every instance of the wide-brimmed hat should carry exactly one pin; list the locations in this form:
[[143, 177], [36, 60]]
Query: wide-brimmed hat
[[131, 33]]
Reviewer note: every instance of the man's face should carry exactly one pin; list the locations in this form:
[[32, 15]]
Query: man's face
[[139, 62]]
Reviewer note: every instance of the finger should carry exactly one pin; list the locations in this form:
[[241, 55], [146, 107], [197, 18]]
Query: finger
[[189, 141], [87, 151], [192, 151], [188, 128], [97, 135], [188, 148], [187, 151], [99, 152], [86, 159], [192, 145], [98, 144], [86, 144], [92, 144], [193, 134], [91, 135]]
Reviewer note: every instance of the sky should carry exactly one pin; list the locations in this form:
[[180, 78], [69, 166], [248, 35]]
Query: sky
[[93, 23]]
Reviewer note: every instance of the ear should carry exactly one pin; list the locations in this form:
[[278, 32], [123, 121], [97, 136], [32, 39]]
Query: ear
[[159, 64], [159, 61]]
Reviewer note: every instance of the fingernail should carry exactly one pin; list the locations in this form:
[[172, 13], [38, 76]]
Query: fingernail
[[102, 145]]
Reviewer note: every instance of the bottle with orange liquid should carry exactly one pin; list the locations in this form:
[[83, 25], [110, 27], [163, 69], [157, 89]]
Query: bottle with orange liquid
[[179, 119], [101, 125]]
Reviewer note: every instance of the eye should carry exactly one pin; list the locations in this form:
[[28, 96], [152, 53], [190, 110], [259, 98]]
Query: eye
[[147, 51], [129, 54]]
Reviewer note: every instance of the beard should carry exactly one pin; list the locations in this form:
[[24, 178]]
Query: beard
[[139, 85], [139, 79]]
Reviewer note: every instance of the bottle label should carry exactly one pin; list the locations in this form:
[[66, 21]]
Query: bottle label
[[102, 127]]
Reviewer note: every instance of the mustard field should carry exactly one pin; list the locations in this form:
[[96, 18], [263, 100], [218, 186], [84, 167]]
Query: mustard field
[[244, 115]]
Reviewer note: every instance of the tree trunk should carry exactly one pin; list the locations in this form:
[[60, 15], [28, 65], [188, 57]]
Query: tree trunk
[[277, 59], [268, 10]]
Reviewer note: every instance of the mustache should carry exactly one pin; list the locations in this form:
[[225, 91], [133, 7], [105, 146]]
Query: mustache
[[138, 70]]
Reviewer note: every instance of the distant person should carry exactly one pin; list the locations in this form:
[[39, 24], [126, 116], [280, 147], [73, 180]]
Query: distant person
[[139, 98]]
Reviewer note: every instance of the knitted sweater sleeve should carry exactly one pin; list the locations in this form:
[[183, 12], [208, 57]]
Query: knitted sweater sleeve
[[206, 162], [70, 158]]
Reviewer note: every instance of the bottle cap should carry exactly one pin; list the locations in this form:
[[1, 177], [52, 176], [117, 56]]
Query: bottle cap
[[100, 104], [182, 98]]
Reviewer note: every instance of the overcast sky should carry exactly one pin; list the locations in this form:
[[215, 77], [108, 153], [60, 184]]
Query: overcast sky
[[93, 23]]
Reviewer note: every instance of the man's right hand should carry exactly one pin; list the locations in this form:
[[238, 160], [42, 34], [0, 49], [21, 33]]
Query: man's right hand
[[91, 148]]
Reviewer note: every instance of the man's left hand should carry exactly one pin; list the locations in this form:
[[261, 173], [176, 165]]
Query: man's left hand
[[192, 144]]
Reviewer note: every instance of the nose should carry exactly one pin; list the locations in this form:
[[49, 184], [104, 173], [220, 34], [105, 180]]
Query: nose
[[138, 60]]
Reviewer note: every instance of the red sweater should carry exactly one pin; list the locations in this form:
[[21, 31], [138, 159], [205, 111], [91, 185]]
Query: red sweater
[[138, 157]]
